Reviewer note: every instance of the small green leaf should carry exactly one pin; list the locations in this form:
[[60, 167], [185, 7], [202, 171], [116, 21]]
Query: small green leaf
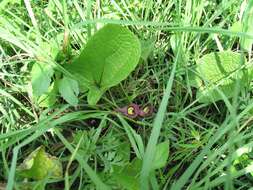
[[49, 98], [128, 176], [39, 165], [218, 71], [123, 151], [94, 95], [147, 47], [69, 90], [41, 77], [109, 57], [161, 155]]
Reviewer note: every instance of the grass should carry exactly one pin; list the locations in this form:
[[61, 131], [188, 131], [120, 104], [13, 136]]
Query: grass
[[96, 146]]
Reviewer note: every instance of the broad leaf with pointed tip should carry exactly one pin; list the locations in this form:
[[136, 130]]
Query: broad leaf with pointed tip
[[216, 73], [109, 57]]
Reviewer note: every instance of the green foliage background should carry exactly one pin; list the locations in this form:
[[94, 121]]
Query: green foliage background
[[202, 144]]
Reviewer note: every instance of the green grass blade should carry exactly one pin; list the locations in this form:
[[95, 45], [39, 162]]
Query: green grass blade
[[153, 139]]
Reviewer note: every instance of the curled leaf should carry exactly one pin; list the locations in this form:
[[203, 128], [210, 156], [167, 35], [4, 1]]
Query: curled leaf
[[39, 165]]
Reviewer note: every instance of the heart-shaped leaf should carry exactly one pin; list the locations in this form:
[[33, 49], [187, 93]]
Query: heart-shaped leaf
[[107, 59], [39, 165], [218, 72]]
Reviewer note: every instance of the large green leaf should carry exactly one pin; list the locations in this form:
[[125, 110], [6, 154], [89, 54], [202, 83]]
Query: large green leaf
[[218, 72], [107, 59], [39, 165]]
